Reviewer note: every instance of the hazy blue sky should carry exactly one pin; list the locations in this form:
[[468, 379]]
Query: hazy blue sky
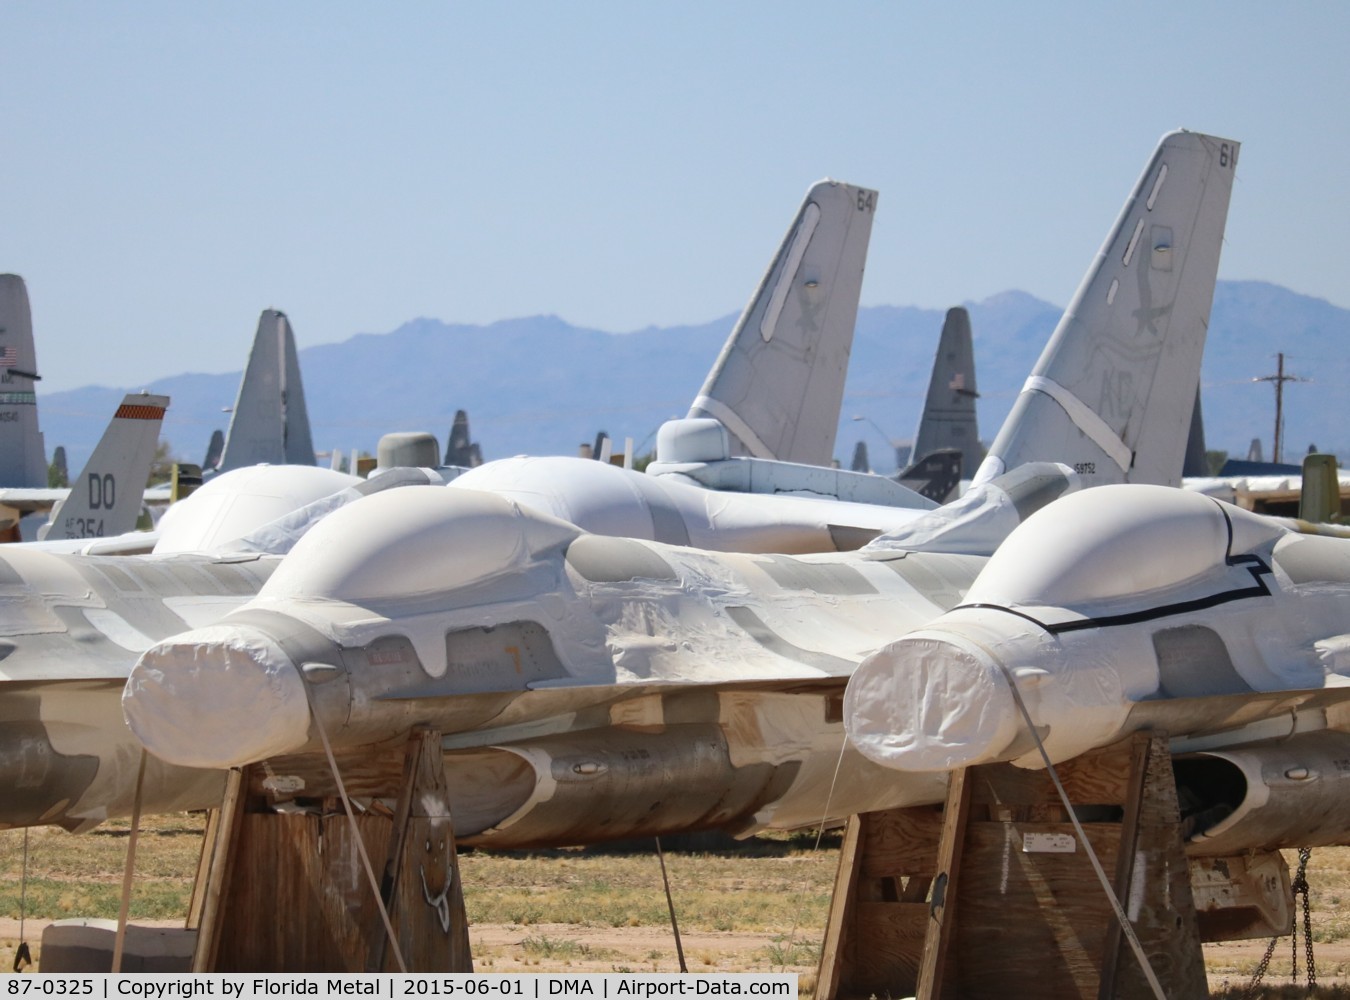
[[171, 169]]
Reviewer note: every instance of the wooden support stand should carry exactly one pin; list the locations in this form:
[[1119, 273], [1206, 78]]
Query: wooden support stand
[[993, 896], [287, 891]]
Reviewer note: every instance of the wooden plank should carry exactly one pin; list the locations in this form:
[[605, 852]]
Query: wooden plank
[[398, 837], [427, 903], [1160, 902], [902, 842], [941, 913], [218, 856], [368, 772], [1031, 924], [299, 900], [1129, 833], [888, 948], [198, 900], [836, 952]]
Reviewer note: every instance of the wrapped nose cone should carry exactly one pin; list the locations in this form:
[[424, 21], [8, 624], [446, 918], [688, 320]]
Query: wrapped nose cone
[[930, 702], [215, 697]]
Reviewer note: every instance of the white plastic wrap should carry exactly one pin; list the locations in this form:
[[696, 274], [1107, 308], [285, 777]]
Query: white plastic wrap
[[256, 698]]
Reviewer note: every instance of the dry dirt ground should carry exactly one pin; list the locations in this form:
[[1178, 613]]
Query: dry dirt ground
[[570, 948], [755, 906]]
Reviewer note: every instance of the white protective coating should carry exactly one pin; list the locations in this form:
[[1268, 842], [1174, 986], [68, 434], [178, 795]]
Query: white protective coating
[[1109, 542], [238, 502], [608, 500], [1100, 606], [403, 544], [256, 698], [929, 703], [976, 523]]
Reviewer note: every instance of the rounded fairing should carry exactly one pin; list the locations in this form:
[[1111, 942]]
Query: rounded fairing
[[237, 503], [1112, 543], [410, 542]]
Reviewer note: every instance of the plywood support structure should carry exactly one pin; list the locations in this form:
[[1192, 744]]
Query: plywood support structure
[[287, 891], [991, 895]]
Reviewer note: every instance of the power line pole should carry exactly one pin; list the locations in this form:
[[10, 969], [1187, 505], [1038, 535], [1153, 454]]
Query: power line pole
[[1279, 379]]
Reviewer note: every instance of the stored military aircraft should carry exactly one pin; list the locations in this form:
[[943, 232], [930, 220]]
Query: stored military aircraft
[[593, 687], [270, 422], [1131, 608], [23, 458], [64, 757], [795, 335], [1105, 397], [948, 421], [106, 499]]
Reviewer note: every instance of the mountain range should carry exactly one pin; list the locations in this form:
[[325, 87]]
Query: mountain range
[[539, 385]]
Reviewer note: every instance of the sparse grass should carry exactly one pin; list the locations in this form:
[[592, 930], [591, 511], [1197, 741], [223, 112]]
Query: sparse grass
[[776, 886]]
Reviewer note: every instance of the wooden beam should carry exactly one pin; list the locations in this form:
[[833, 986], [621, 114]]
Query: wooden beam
[[941, 910]]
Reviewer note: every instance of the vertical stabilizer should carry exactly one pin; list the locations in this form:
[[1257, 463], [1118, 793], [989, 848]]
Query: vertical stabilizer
[[270, 423], [105, 498], [1115, 386], [778, 384], [461, 450], [948, 421], [23, 461], [214, 448], [1196, 463]]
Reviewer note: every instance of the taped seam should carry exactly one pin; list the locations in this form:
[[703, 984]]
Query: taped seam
[[1085, 419]]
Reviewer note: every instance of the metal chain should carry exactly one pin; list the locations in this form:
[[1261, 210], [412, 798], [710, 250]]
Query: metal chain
[[1254, 987], [1299, 886]]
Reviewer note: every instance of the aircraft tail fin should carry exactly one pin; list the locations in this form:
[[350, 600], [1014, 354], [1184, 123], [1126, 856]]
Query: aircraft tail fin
[[23, 460], [270, 423], [460, 450], [937, 475], [1196, 464], [214, 449], [861, 463], [778, 384], [949, 420], [1120, 372], [105, 498]]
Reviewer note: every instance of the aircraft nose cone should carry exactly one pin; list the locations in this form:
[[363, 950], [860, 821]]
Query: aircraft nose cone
[[931, 701], [220, 696]]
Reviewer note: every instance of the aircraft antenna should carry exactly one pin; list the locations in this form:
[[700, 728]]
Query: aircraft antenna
[[1279, 379]]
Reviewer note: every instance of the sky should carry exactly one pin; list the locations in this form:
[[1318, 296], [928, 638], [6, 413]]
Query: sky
[[170, 170]]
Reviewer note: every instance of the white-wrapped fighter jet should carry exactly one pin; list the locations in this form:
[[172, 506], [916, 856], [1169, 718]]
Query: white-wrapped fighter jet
[[509, 575], [593, 687]]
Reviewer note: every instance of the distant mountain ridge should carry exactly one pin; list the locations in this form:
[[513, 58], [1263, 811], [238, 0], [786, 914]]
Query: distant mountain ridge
[[540, 385]]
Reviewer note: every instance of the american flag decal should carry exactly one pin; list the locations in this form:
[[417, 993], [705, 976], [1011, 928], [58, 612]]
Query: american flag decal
[[130, 411], [958, 381], [9, 357]]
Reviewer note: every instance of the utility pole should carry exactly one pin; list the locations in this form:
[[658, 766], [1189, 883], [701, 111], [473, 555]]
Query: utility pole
[[1279, 379]]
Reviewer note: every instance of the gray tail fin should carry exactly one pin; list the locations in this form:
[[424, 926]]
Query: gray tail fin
[[1119, 375], [214, 449], [105, 498], [860, 460], [460, 450], [948, 420], [779, 382], [270, 423], [23, 460], [1196, 464]]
